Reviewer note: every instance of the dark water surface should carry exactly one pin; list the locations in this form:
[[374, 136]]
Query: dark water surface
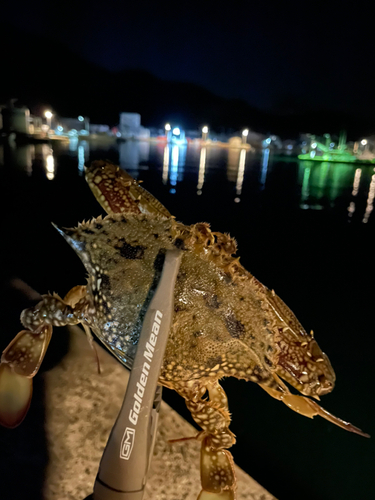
[[304, 229]]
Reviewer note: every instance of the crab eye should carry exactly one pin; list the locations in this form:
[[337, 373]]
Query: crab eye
[[315, 350], [325, 385]]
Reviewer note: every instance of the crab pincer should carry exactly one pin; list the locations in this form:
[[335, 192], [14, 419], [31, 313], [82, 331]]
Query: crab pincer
[[20, 362], [22, 358]]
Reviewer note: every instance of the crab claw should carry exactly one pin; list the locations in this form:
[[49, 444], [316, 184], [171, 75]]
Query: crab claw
[[20, 362], [27, 350], [309, 408], [15, 396], [217, 473]]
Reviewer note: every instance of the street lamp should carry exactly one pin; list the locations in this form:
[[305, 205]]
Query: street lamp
[[204, 133], [245, 133], [167, 128], [364, 142], [48, 115]]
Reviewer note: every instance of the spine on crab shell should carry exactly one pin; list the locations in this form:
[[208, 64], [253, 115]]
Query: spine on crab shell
[[219, 248]]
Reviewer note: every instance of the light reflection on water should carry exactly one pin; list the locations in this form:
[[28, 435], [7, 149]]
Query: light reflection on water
[[240, 175], [265, 161], [370, 200], [321, 186], [202, 170], [132, 154], [324, 185]]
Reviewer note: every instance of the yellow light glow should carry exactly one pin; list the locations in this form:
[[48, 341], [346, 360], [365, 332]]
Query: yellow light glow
[[370, 200], [50, 167], [357, 178], [48, 114], [364, 142], [202, 168], [167, 127], [241, 172], [205, 129]]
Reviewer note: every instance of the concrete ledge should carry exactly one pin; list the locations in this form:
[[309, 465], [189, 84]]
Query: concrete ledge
[[81, 407]]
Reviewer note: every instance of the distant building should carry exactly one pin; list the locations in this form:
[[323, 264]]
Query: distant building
[[144, 133], [130, 127], [193, 134], [35, 126], [99, 129], [78, 124], [15, 118]]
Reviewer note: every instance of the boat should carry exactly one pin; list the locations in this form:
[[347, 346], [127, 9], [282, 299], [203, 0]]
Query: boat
[[327, 152]]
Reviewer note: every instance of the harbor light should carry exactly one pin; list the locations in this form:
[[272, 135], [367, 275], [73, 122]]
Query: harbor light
[[167, 129], [245, 133], [48, 115], [204, 133]]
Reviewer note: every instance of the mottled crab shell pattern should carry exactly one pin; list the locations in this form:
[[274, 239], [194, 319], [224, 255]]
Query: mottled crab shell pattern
[[211, 334], [294, 352], [224, 321]]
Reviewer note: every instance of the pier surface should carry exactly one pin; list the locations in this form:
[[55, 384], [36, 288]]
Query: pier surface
[[81, 407]]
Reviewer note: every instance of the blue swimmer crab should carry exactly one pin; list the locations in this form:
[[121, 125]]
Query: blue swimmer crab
[[225, 323]]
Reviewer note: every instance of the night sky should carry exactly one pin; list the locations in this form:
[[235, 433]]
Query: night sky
[[286, 56]]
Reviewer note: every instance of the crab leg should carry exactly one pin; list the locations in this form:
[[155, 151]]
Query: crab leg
[[212, 415], [309, 408], [21, 359], [118, 192]]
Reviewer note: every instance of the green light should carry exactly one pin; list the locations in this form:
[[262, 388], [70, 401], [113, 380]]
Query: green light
[[305, 184], [321, 152]]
